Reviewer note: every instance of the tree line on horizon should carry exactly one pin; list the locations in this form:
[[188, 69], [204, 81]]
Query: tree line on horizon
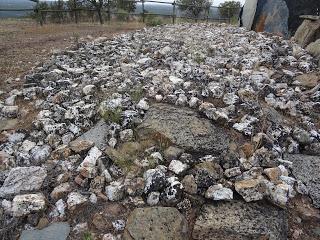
[[191, 8]]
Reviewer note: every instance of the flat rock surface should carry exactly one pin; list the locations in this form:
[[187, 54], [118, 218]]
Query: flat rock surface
[[314, 48], [309, 80], [23, 179], [306, 169], [240, 221], [310, 17], [307, 32], [272, 16], [184, 128], [6, 124], [55, 231], [156, 223], [249, 11], [96, 134]]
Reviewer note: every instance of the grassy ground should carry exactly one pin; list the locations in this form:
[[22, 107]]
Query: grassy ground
[[24, 43]]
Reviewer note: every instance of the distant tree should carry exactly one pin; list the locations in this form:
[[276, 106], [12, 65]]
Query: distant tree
[[194, 8], [97, 5], [39, 6], [57, 16], [72, 5], [229, 9], [128, 6]]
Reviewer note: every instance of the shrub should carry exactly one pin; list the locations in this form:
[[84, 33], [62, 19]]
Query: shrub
[[136, 94], [152, 21], [122, 15], [112, 116], [87, 236]]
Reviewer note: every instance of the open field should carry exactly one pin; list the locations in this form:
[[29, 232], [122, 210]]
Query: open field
[[24, 43]]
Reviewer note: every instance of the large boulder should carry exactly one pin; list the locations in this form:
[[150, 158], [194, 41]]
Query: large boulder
[[277, 16], [249, 11], [23, 179], [306, 169], [298, 8], [240, 221], [314, 48], [156, 223], [308, 32], [183, 127], [272, 16], [266, 16]]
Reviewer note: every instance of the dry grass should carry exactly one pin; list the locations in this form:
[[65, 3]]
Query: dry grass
[[24, 43]]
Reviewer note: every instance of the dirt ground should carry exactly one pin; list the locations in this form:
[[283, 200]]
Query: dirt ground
[[24, 43]]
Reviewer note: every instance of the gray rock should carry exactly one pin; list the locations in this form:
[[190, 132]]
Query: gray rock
[[7, 124], [96, 134], [27, 145], [89, 89], [218, 192], [232, 172], [177, 167], [24, 204], [40, 154], [302, 136], [153, 198], [280, 194], [241, 221], [74, 199], [143, 105], [273, 17], [155, 180], [115, 191], [266, 16], [313, 149], [252, 189], [61, 190], [184, 128], [79, 146], [249, 11], [172, 194], [88, 166], [126, 135], [314, 48], [16, 137], [310, 17], [207, 173], [306, 169], [156, 223], [172, 153], [22, 179], [189, 184], [10, 111], [307, 32], [309, 80], [55, 231]]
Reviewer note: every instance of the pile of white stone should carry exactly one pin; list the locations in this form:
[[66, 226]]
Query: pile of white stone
[[258, 85]]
